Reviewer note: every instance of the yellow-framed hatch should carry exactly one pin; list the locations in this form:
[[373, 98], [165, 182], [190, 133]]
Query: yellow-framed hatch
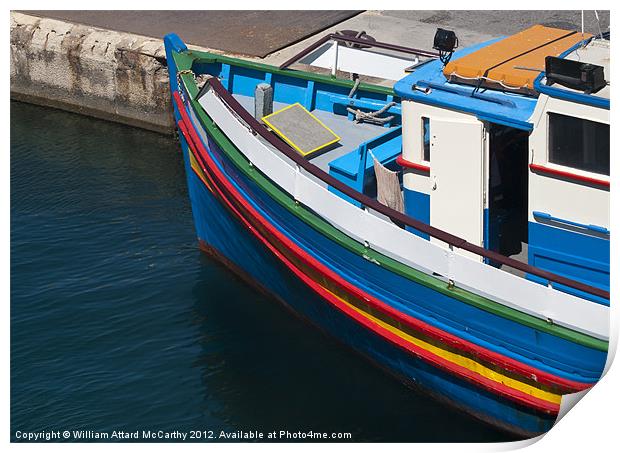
[[301, 129]]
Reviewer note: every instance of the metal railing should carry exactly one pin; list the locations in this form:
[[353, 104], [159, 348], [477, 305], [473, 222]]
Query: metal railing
[[361, 42]]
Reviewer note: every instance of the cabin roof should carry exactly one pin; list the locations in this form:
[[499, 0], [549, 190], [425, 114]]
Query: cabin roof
[[512, 63], [428, 85]]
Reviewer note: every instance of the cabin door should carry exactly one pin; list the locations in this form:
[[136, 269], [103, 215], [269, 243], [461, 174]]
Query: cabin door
[[457, 175]]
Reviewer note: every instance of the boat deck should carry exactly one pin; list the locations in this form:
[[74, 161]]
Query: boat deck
[[351, 134]]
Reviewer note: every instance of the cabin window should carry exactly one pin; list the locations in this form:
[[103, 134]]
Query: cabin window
[[579, 143], [426, 139]]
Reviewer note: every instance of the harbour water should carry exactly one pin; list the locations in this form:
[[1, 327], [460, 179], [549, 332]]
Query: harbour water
[[120, 324]]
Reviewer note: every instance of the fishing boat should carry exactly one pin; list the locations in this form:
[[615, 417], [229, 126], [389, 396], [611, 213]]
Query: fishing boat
[[444, 213]]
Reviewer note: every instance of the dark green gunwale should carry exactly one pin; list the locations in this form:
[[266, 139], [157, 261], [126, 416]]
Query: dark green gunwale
[[207, 57], [185, 61]]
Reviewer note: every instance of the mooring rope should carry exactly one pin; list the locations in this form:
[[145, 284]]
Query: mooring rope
[[373, 116]]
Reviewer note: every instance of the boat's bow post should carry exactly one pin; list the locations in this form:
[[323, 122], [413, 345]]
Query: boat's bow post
[[172, 43]]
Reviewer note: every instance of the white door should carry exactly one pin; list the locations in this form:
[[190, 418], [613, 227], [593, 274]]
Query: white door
[[457, 162]]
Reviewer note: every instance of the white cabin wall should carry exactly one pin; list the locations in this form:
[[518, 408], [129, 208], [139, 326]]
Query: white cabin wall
[[564, 199]]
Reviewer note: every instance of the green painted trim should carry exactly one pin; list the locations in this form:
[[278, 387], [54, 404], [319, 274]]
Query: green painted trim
[[207, 57], [183, 60], [379, 259]]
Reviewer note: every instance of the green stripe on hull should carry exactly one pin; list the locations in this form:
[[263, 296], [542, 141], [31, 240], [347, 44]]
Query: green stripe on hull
[[316, 222]]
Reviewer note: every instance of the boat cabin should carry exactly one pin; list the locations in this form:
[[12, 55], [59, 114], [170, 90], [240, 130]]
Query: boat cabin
[[501, 155]]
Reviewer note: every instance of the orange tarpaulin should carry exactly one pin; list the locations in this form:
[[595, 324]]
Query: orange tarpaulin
[[513, 63]]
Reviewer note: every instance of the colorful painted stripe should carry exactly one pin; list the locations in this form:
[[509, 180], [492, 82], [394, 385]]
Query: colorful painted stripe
[[467, 368]]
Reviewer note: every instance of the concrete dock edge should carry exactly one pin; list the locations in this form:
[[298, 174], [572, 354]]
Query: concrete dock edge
[[122, 76], [101, 73]]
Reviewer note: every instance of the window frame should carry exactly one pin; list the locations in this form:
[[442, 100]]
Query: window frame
[[566, 168], [422, 148]]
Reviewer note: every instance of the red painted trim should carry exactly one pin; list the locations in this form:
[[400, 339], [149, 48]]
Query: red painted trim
[[507, 363], [408, 164], [568, 175], [194, 142]]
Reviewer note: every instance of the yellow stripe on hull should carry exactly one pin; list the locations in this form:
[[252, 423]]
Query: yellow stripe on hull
[[465, 362], [196, 167]]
